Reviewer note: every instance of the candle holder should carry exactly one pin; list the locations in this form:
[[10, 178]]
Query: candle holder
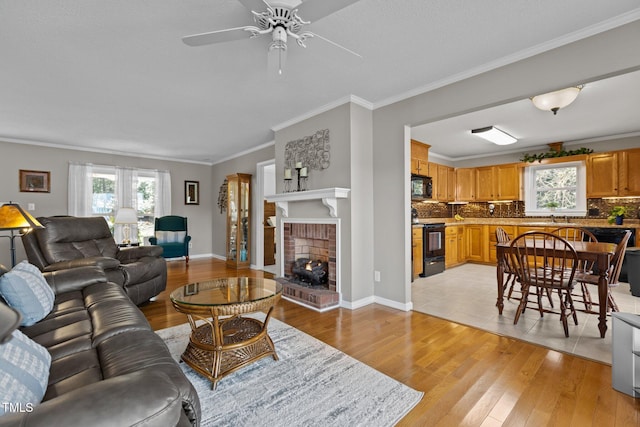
[[287, 185], [302, 183], [298, 169]]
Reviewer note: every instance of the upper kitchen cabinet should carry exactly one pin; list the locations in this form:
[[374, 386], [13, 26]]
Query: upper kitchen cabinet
[[629, 173], [500, 182], [466, 184], [444, 182], [602, 175], [613, 174], [419, 158]]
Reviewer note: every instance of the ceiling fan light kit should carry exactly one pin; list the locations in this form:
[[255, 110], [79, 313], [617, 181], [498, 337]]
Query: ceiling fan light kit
[[281, 21], [554, 101], [495, 135]]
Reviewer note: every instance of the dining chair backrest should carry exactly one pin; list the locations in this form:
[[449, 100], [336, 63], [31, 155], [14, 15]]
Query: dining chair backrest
[[501, 235], [618, 258], [544, 260], [577, 234]]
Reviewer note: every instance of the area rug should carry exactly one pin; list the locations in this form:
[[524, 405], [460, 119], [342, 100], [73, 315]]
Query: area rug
[[313, 384]]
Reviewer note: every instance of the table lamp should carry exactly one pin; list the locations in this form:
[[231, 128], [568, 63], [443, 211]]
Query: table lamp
[[126, 216], [12, 218]]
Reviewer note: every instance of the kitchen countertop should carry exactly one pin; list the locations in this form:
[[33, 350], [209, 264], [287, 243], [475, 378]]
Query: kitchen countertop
[[581, 222]]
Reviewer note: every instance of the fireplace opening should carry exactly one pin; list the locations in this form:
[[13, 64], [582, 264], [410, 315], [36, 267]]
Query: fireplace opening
[[310, 273], [309, 260]]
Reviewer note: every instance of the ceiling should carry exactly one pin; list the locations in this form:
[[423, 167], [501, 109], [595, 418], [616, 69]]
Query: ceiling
[[115, 76], [606, 108]]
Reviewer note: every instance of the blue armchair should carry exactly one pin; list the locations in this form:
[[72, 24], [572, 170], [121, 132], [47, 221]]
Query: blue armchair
[[171, 234]]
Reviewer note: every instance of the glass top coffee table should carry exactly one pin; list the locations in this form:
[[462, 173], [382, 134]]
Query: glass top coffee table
[[222, 340]]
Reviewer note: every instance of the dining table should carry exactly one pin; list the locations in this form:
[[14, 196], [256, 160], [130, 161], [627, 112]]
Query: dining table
[[598, 253]]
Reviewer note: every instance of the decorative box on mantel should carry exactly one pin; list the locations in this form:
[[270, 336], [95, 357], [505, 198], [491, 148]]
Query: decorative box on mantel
[[329, 197]]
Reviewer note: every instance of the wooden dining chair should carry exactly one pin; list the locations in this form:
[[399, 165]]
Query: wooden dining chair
[[577, 234], [613, 273], [509, 271], [545, 261]]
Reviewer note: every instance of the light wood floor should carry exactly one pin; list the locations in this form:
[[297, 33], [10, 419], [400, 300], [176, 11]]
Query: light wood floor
[[469, 377]]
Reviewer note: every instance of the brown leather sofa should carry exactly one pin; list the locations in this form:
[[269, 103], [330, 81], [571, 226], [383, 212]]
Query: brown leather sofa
[[108, 367], [69, 242]]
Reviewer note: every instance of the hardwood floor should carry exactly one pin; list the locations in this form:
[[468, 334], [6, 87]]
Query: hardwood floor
[[469, 377]]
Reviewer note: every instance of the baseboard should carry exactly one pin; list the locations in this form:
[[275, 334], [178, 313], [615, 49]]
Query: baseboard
[[376, 300]]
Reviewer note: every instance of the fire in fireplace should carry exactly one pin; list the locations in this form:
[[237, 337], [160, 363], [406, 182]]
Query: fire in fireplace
[[311, 273]]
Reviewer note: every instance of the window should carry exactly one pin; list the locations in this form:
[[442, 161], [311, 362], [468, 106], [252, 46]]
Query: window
[[101, 190], [556, 189]]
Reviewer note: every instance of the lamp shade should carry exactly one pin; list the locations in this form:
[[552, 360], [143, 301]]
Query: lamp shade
[[126, 216], [13, 217], [553, 101]]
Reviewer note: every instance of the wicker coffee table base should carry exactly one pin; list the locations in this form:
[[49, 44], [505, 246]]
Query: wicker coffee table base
[[245, 340]]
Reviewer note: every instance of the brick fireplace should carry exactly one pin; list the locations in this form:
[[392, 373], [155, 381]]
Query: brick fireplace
[[312, 241], [317, 241], [315, 236]]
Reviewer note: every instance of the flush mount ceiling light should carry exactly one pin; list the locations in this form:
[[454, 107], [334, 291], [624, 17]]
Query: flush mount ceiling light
[[495, 135], [553, 101]]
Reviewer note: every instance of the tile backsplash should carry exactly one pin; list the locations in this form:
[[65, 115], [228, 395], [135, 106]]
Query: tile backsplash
[[597, 209]]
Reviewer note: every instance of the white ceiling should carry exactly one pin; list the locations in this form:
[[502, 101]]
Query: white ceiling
[[115, 75], [606, 108]]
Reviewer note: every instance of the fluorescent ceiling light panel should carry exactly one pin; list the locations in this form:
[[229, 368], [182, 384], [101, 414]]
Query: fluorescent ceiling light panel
[[494, 135]]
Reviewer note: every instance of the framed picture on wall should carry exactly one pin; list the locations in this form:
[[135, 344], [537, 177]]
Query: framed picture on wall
[[35, 181], [191, 192]]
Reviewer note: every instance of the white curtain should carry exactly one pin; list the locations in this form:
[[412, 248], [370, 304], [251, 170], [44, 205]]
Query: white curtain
[[163, 194], [80, 189], [80, 195]]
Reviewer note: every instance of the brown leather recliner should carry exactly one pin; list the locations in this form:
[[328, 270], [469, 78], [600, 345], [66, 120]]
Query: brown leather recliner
[[69, 242]]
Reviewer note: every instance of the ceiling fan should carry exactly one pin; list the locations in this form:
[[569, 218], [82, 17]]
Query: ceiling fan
[[282, 20]]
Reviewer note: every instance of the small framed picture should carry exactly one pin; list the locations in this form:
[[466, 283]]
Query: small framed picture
[[35, 181], [191, 192]]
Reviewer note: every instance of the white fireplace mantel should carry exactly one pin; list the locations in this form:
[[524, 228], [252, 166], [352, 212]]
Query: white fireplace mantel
[[329, 197]]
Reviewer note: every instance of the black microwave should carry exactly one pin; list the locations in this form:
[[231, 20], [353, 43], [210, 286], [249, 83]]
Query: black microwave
[[421, 187]]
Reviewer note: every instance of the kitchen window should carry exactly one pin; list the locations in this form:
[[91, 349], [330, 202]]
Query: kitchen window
[[556, 189]]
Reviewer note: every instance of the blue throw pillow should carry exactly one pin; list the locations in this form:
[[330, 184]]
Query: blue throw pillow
[[25, 289], [24, 373]]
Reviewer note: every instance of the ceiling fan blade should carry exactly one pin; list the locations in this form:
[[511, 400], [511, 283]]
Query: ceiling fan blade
[[220, 36], [335, 44], [255, 5], [313, 10]]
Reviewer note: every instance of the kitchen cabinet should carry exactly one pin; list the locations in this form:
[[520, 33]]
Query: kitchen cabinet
[[454, 245], [477, 242], [443, 181], [484, 184], [508, 181], [466, 184], [613, 174], [419, 158], [629, 173], [499, 182], [416, 251], [238, 220], [602, 175]]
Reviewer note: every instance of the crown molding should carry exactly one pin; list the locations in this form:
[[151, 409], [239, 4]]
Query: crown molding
[[583, 33], [245, 152], [97, 150], [330, 106]]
